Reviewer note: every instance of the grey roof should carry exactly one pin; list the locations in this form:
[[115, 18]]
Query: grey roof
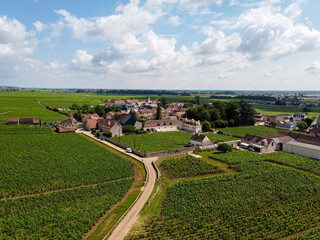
[[198, 137]]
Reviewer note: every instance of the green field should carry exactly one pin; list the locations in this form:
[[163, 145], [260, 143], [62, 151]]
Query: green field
[[11, 107], [220, 137], [187, 166], [56, 185], [273, 110], [260, 201], [155, 142], [254, 130]]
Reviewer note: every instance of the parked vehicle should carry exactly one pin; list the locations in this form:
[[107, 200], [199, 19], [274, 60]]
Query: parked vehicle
[[129, 150], [251, 149]]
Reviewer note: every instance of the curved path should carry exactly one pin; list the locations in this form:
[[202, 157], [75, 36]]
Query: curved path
[[124, 226]]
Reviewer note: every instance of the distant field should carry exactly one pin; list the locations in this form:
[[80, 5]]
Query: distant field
[[16, 107], [56, 185], [254, 130], [272, 110], [158, 141]]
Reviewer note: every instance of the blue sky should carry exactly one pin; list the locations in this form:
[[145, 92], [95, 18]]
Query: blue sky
[[161, 44]]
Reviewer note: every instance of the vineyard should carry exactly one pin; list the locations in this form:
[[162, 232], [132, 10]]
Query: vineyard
[[254, 130], [187, 166], [56, 185], [261, 201], [60, 215], [155, 142], [11, 107], [220, 137]]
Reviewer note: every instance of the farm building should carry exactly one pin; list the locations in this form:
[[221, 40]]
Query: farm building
[[269, 142], [303, 149], [163, 125], [289, 126], [190, 125], [90, 121], [68, 125], [201, 140], [22, 121]]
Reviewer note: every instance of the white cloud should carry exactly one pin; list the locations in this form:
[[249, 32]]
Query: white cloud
[[174, 20], [193, 4], [293, 11], [271, 35], [39, 26], [11, 30], [314, 68]]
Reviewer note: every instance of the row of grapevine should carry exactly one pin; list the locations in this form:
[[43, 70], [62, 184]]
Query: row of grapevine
[[186, 166]]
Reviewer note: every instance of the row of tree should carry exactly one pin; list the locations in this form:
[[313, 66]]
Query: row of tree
[[221, 114]]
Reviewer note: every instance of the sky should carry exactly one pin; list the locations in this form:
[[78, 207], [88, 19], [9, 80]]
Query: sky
[[161, 44]]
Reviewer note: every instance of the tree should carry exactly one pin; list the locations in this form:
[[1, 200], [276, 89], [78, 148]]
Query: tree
[[164, 101], [214, 115], [220, 124], [159, 114], [309, 121], [231, 123], [188, 105], [224, 148], [205, 115], [75, 106], [232, 111], [197, 100], [100, 110], [246, 113], [305, 109], [85, 108], [128, 129], [221, 106], [77, 116], [302, 125], [206, 126]]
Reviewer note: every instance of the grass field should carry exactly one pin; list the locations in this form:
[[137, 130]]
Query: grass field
[[259, 201], [56, 185], [273, 110], [254, 130]]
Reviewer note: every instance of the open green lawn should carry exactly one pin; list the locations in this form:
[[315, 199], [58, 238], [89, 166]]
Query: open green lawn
[[56, 185], [259, 201], [273, 110], [254, 130]]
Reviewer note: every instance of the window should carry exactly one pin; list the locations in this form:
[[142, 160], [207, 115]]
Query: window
[[158, 124], [170, 123]]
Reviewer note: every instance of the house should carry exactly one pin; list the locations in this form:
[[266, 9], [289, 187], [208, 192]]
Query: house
[[269, 142], [13, 121], [289, 126], [279, 118], [191, 125], [297, 117], [303, 149], [163, 125], [109, 125], [90, 121], [303, 138], [110, 115], [315, 132], [201, 140], [68, 125]]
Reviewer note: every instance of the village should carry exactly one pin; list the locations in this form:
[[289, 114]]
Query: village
[[133, 116]]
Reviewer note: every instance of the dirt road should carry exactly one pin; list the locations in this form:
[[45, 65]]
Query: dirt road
[[124, 226]]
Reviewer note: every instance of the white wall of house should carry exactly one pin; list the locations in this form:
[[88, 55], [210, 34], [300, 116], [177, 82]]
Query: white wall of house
[[164, 128], [302, 149], [191, 128]]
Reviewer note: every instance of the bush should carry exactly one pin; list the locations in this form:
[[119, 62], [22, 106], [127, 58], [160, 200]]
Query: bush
[[93, 130], [140, 131], [128, 129], [224, 148], [107, 134], [220, 124], [206, 126]]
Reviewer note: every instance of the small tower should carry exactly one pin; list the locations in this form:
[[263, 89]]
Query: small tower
[[148, 99]]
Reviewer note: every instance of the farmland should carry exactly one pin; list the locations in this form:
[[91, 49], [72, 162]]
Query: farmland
[[220, 138], [260, 201], [254, 130], [56, 185], [187, 166], [155, 142], [25, 107], [273, 110]]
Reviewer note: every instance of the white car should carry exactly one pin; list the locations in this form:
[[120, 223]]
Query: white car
[[129, 150]]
